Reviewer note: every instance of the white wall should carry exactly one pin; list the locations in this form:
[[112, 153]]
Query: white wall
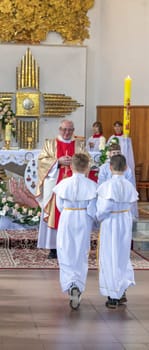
[[124, 50]]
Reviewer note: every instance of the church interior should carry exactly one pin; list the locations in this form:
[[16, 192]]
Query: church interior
[[69, 60]]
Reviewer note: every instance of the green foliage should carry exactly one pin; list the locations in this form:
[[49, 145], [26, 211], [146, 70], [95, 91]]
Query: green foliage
[[103, 156]]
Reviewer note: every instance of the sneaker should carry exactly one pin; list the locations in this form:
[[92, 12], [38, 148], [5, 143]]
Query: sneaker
[[112, 303], [75, 294], [123, 299], [52, 254]]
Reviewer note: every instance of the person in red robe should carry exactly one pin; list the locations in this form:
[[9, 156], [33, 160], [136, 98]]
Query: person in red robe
[[125, 144], [97, 141], [54, 163]]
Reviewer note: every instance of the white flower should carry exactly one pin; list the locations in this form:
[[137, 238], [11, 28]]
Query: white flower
[[30, 212], [10, 199], [35, 218], [4, 200], [114, 140], [6, 208], [16, 206], [24, 210], [2, 213], [102, 143], [108, 154]]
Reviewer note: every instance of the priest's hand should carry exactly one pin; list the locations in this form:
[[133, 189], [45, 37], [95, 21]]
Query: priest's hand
[[65, 160]]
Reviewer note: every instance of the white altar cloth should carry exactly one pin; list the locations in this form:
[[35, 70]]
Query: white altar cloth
[[19, 157]]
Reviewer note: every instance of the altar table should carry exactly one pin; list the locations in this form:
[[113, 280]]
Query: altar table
[[19, 157]]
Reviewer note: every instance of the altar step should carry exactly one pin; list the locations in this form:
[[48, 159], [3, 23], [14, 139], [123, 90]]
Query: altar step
[[22, 239], [19, 237], [28, 238], [141, 235]]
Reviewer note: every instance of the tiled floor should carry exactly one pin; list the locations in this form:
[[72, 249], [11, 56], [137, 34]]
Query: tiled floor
[[35, 315]]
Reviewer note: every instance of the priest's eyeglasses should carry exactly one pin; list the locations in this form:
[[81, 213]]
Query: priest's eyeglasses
[[67, 129]]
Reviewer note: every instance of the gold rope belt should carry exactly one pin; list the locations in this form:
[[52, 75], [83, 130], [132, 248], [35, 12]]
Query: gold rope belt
[[119, 211], [75, 208]]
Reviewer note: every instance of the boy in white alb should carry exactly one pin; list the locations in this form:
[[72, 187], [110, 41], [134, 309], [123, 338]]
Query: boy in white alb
[[76, 200], [114, 204], [105, 173]]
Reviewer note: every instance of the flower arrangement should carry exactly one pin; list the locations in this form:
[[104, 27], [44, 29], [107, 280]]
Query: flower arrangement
[[19, 214], [104, 153], [7, 116]]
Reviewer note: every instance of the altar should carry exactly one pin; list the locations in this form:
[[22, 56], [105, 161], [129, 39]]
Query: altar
[[17, 156], [21, 177], [14, 163]]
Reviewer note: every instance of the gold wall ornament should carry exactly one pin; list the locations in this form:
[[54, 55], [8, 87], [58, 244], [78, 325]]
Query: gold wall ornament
[[23, 23], [27, 72], [59, 105], [28, 102]]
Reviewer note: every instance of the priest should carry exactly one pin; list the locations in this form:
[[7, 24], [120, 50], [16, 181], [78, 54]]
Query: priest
[[54, 164]]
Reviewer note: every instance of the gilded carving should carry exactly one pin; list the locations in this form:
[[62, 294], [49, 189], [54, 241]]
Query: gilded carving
[[27, 104], [31, 21]]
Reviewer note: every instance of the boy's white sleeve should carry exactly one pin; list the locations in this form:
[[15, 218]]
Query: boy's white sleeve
[[103, 208], [102, 177], [91, 208]]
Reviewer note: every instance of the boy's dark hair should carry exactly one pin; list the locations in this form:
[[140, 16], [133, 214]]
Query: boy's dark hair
[[80, 161], [118, 162], [99, 126], [118, 122], [114, 147]]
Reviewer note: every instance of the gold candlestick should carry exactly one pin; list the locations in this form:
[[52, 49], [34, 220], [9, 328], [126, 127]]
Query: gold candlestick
[[29, 142], [7, 144]]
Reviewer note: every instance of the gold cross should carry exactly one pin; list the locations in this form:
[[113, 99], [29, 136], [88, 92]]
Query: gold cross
[[28, 100]]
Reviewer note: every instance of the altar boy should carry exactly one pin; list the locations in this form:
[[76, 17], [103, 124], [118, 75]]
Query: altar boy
[[76, 200], [114, 211]]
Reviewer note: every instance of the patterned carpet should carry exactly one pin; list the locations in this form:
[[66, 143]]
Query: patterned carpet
[[18, 250], [37, 259]]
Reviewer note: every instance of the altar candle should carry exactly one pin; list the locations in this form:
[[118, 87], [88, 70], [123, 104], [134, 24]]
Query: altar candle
[[127, 97], [127, 90], [8, 132]]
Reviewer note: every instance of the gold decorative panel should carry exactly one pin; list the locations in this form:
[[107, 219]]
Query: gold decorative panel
[[27, 73], [59, 105], [27, 104], [31, 21], [27, 133]]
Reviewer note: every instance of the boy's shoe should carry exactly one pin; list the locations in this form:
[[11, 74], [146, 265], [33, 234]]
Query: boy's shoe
[[52, 254], [123, 299], [112, 303], [74, 294]]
